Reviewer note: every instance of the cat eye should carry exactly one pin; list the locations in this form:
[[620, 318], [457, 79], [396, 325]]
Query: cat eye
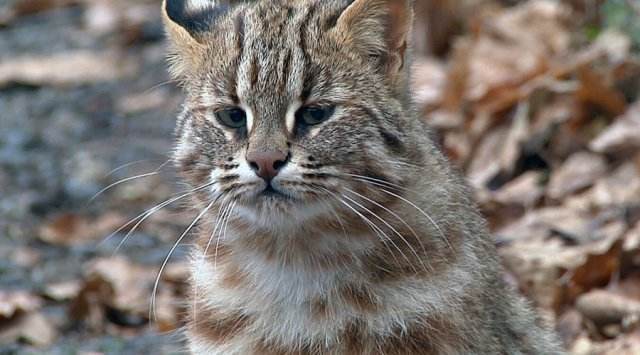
[[232, 117], [313, 115]]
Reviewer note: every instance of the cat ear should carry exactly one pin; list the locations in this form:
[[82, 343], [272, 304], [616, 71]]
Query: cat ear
[[187, 20], [378, 27], [186, 23]]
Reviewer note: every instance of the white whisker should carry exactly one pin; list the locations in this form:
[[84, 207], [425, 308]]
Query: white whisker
[[224, 232], [435, 225], [166, 260], [332, 210], [221, 212], [219, 223], [121, 182], [159, 85], [150, 211], [380, 182], [155, 172], [410, 165], [392, 229], [385, 184], [401, 221], [124, 166], [379, 232]]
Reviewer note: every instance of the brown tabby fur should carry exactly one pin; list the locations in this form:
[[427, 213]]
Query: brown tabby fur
[[378, 248]]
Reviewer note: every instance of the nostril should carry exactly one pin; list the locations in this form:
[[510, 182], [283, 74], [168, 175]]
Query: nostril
[[254, 166], [278, 164]]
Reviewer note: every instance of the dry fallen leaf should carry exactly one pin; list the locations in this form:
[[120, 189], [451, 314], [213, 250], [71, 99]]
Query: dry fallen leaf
[[596, 90], [115, 288], [177, 273], [626, 344], [569, 326], [605, 307], [573, 225], [32, 328], [486, 160], [429, 80], [524, 190], [69, 228], [553, 273], [25, 7], [581, 170], [622, 135], [511, 201], [597, 262], [15, 302], [19, 319], [514, 48], [166, 314], [631, 247], [621, 188], [65, 69], [62, 291]]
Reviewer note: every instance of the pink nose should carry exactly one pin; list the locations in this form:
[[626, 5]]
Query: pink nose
[[266, 164]]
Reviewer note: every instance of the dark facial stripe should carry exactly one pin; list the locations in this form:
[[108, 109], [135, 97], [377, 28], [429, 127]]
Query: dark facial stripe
[[228, 178], [239, 26], [316, 176], [302, 43], [229, 166], [254, 71], [286, 67], [391, 141]]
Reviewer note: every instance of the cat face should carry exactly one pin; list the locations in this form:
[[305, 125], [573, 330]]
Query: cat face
[[291, 105]]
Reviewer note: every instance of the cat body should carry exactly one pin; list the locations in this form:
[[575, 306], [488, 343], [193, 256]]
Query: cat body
[[329, 222]]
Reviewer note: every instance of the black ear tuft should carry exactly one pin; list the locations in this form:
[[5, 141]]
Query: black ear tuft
[[194, 21]]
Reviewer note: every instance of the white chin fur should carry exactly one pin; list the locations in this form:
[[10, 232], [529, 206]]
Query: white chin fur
[[279, 217]]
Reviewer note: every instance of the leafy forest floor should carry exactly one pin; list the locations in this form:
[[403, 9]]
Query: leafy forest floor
[[537, 102]]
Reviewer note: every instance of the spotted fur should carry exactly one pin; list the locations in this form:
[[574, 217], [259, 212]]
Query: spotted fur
[[372, 244]]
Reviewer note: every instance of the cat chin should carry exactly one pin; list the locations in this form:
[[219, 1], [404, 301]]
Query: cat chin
[[277, 214]]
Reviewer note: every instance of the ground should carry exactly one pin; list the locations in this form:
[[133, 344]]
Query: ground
[[536, 102]]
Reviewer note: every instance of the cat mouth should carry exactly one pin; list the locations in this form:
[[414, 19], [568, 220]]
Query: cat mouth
[[270, 192]]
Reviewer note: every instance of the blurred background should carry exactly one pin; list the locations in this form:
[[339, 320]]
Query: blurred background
[[537, 102]]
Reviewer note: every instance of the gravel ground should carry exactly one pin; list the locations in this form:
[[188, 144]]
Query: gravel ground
[[58, 143]]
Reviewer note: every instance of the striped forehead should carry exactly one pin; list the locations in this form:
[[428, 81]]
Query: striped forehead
[[271, 66], [265, 59]]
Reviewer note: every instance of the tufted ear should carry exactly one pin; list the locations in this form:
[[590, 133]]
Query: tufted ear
[[378, 28]]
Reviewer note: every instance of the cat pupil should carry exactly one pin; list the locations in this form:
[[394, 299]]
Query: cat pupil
[[237, 116], [317, 114]]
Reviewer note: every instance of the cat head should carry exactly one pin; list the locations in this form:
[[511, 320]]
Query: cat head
[[292, 106]]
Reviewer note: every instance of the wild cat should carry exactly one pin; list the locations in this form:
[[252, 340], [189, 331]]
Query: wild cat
[[328, 222]]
